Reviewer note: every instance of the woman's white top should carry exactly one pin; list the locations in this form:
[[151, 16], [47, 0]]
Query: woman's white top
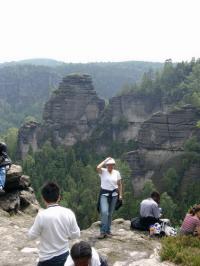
[[109, 180]]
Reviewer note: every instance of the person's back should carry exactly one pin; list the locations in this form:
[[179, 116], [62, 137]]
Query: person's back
[[55, 226], [149, 208], [150, 211], [191, 223]]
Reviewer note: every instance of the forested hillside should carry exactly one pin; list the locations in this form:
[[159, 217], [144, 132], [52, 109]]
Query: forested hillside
[[74, 169], [26, 85]]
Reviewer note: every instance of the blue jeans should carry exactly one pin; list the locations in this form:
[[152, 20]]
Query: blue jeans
[[55, 261], [107, 209], [2, 176]]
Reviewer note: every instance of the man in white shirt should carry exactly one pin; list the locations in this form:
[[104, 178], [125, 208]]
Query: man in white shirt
[[150, 211], [55, 226], [82, 254]]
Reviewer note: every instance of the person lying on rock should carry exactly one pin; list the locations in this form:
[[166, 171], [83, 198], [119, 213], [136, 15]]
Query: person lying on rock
[[55, 226], [150, 212], [82, 254], [110, 192], [191, 223], [5, 163]]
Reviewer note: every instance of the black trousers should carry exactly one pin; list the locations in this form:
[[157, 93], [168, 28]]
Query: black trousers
[[55, 261], [147, 221]]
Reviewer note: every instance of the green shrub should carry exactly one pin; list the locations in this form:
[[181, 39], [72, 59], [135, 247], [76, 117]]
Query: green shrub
[[184, 250]]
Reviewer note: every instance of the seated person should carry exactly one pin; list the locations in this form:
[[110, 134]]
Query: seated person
[[191, 223], [82, 254], [149, 211]]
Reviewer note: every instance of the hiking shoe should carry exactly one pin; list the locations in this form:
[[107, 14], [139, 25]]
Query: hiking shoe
[[101, 236], [109, 235]]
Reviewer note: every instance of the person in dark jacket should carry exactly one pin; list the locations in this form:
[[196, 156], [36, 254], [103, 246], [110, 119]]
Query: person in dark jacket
[[5, 163]]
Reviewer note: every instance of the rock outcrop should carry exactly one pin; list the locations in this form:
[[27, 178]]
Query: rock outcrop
[[73, 110], [124, 248], [19, 195], [161, 142], [135, 110], [69, 116], [28, 137]]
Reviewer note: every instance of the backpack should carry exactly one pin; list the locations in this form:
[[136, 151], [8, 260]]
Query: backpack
[[136, 224]]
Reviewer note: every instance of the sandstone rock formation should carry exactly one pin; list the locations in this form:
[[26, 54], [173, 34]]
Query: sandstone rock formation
[[28, 137], [125, 248], [69, 116], [161, 143], [135, 110], [19, 194]]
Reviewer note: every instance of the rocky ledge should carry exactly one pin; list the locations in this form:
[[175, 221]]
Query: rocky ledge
[[19, 195], [124, 248]]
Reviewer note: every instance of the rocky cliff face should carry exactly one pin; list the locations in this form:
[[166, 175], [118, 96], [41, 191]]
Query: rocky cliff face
[[73, 110], [69, 116], [161, 144], [134, 110], [28, 137]]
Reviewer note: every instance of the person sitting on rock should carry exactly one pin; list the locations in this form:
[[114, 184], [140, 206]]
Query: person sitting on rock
[[149, 211], [191, 223], [54, 225], [82, 254], [5, 164]]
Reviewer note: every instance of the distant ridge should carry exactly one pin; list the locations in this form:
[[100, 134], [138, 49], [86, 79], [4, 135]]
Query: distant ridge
[[54, 63], [34, 61]]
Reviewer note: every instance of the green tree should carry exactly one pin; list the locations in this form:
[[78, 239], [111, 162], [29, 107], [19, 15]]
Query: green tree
[[169, 208], [148, 188], [170, 181]]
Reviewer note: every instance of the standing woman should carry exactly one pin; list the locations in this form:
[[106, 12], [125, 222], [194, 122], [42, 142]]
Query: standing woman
[[111, 189]]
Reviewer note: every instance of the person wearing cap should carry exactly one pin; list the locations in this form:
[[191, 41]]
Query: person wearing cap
[[111, 190]]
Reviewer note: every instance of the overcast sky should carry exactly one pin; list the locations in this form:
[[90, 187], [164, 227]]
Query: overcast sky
[[99, 30]]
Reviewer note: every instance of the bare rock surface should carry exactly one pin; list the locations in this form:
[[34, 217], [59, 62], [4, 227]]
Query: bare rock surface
[[19, 195], [124, 248]]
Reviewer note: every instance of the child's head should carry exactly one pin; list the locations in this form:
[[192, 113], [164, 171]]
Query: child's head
[[81, 253], [51, 192]]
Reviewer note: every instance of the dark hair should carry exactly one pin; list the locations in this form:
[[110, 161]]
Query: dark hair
[[3, 147], [194, 209], [50, 192], [80, 250], [155, 194]]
